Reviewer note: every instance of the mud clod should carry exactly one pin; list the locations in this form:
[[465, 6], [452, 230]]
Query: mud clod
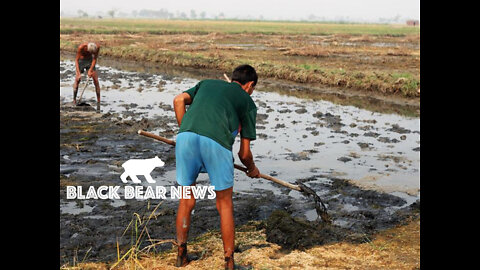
[[293, 233], [396, 128], [344, 159]]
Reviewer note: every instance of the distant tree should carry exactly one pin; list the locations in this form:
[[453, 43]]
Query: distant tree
[[134, 13], [183, 15], [111, 13], [82, 13], [162, 13], [193, 14], [203, 15]]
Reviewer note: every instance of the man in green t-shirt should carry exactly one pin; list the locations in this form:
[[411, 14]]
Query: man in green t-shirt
[[218, 111]]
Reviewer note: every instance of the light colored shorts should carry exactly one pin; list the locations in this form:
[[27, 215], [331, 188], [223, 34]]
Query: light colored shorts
[[196, 153]]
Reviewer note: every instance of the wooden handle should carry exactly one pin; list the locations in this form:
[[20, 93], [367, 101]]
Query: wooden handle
[[83, 90], [226, 77], [271, 178], [156, 137]]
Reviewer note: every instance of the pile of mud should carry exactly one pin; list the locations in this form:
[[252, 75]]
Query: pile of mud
[[294, 233]]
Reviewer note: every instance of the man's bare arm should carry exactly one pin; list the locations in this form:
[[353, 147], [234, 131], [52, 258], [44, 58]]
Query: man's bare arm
[[246, 157], [77, 57], [94, 60], [179, 105]]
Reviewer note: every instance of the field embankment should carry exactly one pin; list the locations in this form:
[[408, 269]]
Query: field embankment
[[375, 59]]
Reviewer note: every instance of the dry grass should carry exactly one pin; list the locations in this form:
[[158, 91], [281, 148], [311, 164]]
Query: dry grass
[[368, 62], [159, 26], [397, 248]]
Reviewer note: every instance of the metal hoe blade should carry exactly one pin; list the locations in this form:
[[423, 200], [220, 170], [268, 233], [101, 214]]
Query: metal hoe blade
[[319, 206]]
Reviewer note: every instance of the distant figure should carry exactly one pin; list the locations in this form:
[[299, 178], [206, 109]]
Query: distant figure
[[86, 59], [134, 167]]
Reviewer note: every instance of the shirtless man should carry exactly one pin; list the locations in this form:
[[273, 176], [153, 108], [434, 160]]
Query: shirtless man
[[86, 59]]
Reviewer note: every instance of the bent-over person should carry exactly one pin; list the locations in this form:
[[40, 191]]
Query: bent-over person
[[86, 59], [218, 111]]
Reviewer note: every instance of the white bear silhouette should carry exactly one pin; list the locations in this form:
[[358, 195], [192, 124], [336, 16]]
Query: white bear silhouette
[[134, 167]]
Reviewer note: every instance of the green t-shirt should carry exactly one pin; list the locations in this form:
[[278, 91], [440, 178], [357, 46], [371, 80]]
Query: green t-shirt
[[217, 110]]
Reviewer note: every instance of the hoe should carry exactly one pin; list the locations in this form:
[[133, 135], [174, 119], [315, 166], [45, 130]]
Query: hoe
[[319, 206], [87, 80]]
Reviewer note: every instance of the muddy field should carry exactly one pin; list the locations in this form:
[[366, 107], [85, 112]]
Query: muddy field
[[372, 59], [364, 165]]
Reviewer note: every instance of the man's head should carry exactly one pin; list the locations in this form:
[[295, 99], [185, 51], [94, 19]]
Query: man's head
[[92, 47], [246, 76]]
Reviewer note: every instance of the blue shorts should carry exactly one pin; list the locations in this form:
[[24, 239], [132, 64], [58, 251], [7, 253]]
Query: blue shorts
[[196, 153]]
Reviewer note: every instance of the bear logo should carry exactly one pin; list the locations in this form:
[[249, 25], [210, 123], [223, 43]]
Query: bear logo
[[134, 167]]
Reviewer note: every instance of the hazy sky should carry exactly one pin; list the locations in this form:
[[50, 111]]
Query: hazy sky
[[270, 9]]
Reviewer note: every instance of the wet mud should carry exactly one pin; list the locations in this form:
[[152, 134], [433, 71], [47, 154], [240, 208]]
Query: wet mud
[[364, 166]]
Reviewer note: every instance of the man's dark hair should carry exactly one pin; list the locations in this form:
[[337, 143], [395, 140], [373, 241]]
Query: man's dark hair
[[244, 74]]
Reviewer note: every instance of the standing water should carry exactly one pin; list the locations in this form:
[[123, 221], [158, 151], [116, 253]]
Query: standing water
[[354, 159]]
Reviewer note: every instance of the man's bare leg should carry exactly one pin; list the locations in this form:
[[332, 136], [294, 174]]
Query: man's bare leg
[[227, 226], [97, 85], [184, 213], [75, 88]]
